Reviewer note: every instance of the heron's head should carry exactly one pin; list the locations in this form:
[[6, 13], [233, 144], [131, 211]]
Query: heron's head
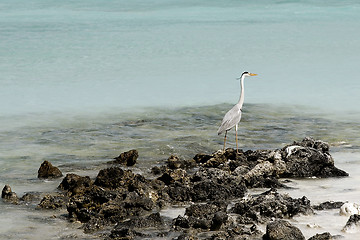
[[247, 74]]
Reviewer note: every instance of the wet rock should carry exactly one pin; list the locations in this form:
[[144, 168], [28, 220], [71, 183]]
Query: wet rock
[[214, 160], [52, 202], [179, 192], [156, 170], [267, 170], [216, 184], [202, 158], [353, 224], [203, 216], [47, 170], [186, 236], [116, 177], [309, 158], [124, 234], [9, 196], [124, 203], [238, 232], [328, 205], [174, 175], [269, 205], [127, 158], [218, 220], [115, 195], [174, 162], [283, 230], [31, 197], [154, 220], [322, 236], [75, 184]]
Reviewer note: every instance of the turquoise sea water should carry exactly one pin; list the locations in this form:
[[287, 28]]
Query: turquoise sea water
[[83, 81]]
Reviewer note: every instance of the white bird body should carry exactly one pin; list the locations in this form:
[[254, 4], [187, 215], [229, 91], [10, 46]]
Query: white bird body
[[231, 119], [233, 116]]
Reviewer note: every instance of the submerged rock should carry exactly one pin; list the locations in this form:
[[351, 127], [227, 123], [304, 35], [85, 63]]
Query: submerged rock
[[47, 170], [283, 230], [31, 197], [8, 195]]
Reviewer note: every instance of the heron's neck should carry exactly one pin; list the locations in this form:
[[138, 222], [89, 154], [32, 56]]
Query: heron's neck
[[241, 100]]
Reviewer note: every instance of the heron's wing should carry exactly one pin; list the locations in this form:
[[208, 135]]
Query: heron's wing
[[231, 118]]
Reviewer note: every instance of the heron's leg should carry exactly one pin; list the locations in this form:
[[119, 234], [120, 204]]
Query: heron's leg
[[225, 140], [236, 136]]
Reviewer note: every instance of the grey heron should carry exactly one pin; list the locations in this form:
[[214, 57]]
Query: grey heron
[[233, 116]]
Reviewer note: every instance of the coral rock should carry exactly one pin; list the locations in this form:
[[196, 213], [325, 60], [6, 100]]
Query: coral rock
[[47, 170]]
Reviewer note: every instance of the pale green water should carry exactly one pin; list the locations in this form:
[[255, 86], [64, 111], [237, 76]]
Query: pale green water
[[83, 145]]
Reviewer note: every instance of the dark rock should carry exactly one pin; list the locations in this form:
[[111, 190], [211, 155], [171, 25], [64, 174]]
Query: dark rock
[[352, 223], [216, 184], [52, 202], [174, 162], [203, 216], [132, 228], [114, 196], [156, 170], [83, 207], [123, 234], [114, 177], [30, 197], [202, 158], [283, 230], [154, 220], [75, 184], [174, 175], [179, 192], [309, 158], [270, 205], [182, 222], [9, 196], [186, 236], [127, 158], [328, 205], [47, 170], [125, 202], [322, 236], [238, 232], [218, 220]]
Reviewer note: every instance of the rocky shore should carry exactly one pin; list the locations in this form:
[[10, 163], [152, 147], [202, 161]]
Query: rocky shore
[[120, 204]]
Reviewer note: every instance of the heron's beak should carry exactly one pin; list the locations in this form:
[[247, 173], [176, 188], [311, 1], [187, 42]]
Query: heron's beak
[[252, 74]]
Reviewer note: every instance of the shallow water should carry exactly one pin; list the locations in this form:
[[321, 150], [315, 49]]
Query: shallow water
[[83, 145]]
